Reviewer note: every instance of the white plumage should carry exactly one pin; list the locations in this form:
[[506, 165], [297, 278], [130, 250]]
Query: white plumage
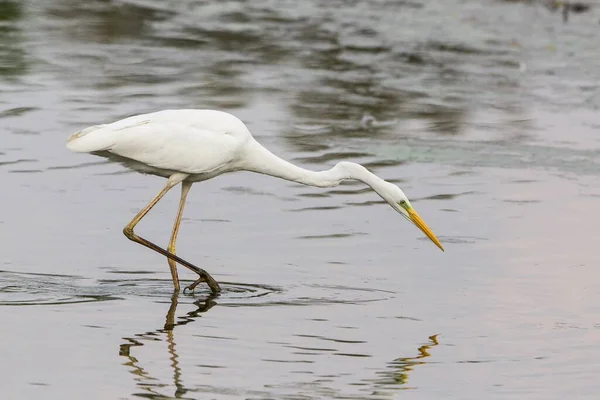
[[188, 146], [189, 141]]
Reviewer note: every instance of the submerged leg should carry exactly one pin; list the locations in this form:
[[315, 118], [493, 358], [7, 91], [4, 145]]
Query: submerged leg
[[185, 188], [131, 235]]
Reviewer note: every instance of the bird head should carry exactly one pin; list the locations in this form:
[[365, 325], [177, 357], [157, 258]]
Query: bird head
[[396, 198]]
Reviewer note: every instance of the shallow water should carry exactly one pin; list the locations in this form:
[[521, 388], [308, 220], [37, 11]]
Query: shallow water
[[485, 113]]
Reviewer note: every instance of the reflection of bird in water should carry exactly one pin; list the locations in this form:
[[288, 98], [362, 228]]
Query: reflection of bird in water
[[143, 378], [401, 367], [187, 146]]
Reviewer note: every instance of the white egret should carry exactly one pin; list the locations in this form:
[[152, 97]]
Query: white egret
[[187, 146]]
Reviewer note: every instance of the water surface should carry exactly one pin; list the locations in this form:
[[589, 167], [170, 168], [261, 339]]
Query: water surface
[[485, 113]]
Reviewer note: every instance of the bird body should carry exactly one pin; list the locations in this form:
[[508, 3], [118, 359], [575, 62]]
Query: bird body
[[200, 143], [188, 146]]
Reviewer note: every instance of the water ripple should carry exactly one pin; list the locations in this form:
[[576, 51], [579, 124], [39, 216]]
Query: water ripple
[[23, 289], [17, 288], [17, 111], [333, 235], [19, 161]]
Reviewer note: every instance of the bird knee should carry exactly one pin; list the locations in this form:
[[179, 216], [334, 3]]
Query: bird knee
[[127, 231]]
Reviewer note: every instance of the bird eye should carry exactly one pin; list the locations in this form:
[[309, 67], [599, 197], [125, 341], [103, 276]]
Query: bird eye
[[402, 203]]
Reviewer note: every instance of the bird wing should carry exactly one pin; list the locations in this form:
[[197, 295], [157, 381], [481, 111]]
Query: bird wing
[[171, 145]]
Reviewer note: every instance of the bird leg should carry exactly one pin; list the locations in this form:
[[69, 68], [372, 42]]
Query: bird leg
[[185, 188], [131, 235]]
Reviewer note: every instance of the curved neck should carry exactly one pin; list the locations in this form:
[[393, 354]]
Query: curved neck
[[259, 159]]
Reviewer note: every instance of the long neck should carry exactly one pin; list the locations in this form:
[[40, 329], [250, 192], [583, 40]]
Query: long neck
[[259, 159]]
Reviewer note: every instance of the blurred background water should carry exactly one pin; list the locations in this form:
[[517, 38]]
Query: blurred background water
[[484, 112]]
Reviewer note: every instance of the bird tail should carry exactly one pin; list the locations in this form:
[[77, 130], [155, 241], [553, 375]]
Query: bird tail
[[84, 141]]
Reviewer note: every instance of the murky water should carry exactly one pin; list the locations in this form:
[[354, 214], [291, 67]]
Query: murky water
[[485, 113]]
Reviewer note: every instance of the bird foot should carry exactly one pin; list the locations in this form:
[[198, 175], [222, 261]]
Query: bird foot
[[214, 286], [190, 288]]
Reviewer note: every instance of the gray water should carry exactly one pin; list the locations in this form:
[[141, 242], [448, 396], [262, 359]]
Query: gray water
[[486, 115]]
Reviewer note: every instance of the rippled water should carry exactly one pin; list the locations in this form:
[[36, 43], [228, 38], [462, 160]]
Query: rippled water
[[484, 112]]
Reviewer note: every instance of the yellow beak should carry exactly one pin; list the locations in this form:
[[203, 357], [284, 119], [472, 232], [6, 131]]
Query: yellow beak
[[422, 226]]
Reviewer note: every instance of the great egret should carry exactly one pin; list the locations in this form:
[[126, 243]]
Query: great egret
[[187, 146]]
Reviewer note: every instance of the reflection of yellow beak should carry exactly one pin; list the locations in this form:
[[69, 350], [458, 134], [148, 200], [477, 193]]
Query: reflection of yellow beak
[[414, 217]]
